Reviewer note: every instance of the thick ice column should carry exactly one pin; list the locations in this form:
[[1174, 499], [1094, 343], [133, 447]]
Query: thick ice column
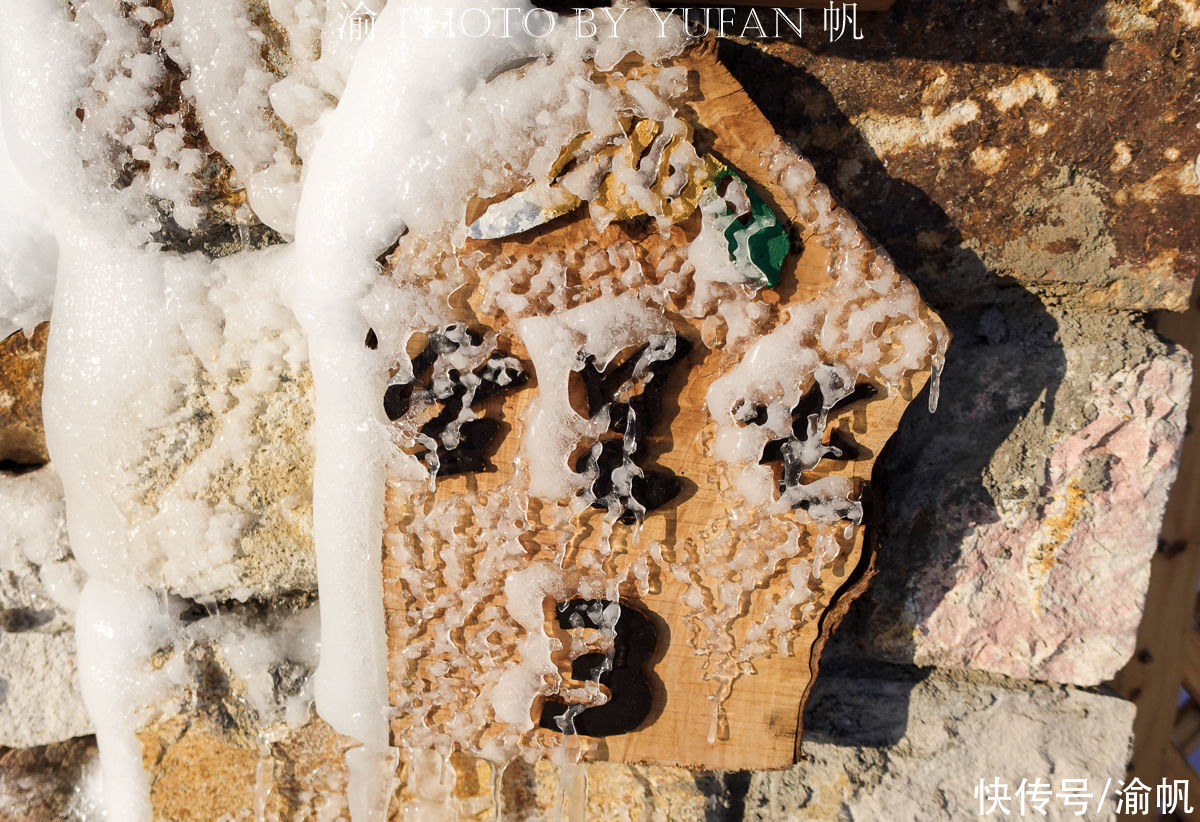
[[353, 207]]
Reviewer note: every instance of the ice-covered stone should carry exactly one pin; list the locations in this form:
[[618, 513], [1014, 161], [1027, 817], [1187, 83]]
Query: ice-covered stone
[[39, 588], [27, 250], [201, 482], [201, 773], [235, 732], [39, 689], [884, 742], [59, 781], [39, 578]]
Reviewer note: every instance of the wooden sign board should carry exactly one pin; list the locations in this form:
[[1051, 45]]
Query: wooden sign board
[[707, 578]]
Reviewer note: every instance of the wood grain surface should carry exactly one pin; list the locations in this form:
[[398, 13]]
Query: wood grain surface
[[764, 709]]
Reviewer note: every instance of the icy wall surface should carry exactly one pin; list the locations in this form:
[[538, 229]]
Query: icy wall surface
[[1045, 271]]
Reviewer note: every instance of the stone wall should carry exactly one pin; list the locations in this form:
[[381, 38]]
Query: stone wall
[[1035, 168]]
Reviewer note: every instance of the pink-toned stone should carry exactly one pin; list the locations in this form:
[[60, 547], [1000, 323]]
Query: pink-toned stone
[[1050, 583], [1067, 583]]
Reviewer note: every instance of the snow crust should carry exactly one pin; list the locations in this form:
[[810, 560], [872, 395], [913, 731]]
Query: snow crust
[[28, 250], [140, 339], [33, 538], [369, 177]]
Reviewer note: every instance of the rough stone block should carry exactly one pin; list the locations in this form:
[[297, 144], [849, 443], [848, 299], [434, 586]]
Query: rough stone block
[[39, 577], [22, 363], [59, 782], [39, 689], [39, 584], [1021, 518], [1055, 150], [913, 745]]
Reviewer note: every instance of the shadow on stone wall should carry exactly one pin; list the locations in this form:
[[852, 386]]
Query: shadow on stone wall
[[726, 794], [1042, 34], [1004, 360]]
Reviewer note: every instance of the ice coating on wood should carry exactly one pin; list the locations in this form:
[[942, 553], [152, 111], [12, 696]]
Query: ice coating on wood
[[586, 302], [600, 329], [518, 688]]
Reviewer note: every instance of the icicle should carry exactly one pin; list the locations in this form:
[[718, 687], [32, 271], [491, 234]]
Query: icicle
[[116, 633], [498, 770], [571, 802], [935, 383], [431, 778], [263, 779], [372, 782]]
